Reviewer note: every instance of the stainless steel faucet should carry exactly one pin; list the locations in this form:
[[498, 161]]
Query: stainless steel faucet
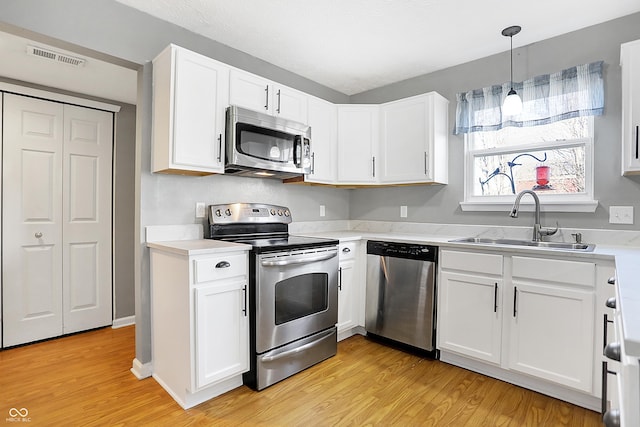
[[538, 230]]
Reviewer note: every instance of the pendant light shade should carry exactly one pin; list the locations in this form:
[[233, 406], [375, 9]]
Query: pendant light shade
[[512, 104]]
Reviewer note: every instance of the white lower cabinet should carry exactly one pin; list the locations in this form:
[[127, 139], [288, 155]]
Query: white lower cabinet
[[222, 349], [473, 324], [350, 290], [528, 320], [200, 323]]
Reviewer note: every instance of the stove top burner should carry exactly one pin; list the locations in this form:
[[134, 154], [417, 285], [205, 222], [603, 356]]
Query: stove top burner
[[265, 227]]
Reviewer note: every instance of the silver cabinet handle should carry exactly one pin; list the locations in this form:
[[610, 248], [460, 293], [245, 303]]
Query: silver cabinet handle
[[611, 302], [612, 351], [219, 148], [278, 109], [266, 98], [223, 264], [38, 235], [373, 161], [605, 373], [346, 250], [313, 163], [495, 297], [604, 335], [340, 278], [426, 163], [244, 292], [515, 302]]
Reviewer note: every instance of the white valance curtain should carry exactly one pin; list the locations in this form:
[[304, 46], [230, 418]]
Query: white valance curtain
[[574, 92]]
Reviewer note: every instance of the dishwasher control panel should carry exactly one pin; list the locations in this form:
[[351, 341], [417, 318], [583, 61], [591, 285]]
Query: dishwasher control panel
[[403, 250]]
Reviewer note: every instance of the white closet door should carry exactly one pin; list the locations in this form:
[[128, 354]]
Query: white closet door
[[31, 219], [86, 212]]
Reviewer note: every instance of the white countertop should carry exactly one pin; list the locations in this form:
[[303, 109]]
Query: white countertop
[[627, 261], [197, 247]]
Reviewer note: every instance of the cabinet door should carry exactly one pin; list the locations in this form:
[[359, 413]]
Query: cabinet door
[[290, 104], [357, 144], [250, 91], [404, 144], [346, 296], [190, 95], [221, 331], [470, 315], [630, 62], [552, 331], [323, 119]]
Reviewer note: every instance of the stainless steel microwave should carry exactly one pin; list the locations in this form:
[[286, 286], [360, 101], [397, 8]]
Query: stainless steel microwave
[[261, 145]]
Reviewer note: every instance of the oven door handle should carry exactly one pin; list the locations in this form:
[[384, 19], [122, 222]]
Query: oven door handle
[[296, 350], [305, 260]]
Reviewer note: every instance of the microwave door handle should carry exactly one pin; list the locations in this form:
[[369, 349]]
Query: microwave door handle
[[297, 150]]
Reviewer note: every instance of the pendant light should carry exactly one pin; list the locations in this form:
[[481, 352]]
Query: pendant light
[[512, 105]]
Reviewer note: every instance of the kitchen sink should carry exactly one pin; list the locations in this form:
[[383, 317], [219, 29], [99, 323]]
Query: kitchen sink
[[583, 247]]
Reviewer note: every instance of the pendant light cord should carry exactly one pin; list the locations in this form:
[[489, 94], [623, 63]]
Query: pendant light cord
[[511, 37]]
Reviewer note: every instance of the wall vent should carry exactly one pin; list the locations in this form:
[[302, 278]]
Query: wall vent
[[55, 56]]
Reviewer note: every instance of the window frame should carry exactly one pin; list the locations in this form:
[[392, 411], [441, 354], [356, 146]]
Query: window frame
[[581, 202]]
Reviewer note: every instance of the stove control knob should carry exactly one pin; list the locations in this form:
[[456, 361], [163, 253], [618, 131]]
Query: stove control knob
[[279, 212], [286, 213], [218, 213], [273, 211], [227, 212]]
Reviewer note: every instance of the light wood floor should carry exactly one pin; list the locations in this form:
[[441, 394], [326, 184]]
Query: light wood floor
[[84, 380]]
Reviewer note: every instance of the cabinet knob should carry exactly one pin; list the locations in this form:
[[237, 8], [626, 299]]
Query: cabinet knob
[[346, 250], [612, 280], [223, 264], [38, 235], [611, 302], [612, 351]]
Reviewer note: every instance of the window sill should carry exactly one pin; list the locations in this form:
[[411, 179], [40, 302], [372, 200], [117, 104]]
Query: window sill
[[545, 206]]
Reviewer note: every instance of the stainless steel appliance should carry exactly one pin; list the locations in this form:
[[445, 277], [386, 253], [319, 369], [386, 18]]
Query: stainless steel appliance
[[400, 301], [293, 283], [261, 145]]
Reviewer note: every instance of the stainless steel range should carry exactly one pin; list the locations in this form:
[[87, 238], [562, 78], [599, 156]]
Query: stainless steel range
[[293, 284]]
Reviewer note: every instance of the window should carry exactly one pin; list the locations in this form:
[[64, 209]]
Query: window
[[554, 160], [547, 148]]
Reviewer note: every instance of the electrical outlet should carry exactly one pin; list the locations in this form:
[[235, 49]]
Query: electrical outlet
[[322, 210], [403, 211], [621, 214], [199, 210]]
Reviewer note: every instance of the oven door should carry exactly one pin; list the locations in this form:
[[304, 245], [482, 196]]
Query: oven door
[[296, 295]]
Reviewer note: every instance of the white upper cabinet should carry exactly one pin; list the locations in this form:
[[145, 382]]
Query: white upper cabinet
[[413, 141], [358, 135], [255, 93], [630, 63], [190, 94], [323, 119]]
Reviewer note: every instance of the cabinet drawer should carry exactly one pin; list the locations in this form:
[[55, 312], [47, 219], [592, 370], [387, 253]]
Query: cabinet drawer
[[347, 250], [471, 261], [219, 267], [551, 270]]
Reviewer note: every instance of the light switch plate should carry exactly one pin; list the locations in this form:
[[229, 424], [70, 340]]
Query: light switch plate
[[322, 210], [621, 214], [403, 211]]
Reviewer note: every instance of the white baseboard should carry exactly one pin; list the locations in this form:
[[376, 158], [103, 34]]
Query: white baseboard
[[123, 321], [141, 370]]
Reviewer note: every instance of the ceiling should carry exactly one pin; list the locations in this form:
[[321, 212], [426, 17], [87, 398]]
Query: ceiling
[[356, 45]]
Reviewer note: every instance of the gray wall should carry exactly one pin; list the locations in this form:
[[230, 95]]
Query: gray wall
[[440, 204]]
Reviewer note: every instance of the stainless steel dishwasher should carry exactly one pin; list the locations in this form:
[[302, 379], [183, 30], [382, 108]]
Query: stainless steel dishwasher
[[400, 299]]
